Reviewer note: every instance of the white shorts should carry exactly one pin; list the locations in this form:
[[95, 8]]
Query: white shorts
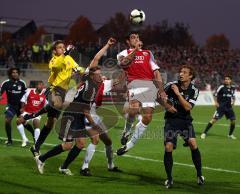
[[143, 91], [38, 118]]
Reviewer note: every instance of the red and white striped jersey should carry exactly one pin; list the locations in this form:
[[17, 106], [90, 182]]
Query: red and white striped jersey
[[142, 67], [33, 101]]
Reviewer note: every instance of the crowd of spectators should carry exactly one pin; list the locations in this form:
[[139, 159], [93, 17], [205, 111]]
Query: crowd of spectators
[[210, 64]]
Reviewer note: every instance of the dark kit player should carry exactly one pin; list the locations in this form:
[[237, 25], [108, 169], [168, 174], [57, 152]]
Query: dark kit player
[[224, 100], [15, 89], [183, 95]]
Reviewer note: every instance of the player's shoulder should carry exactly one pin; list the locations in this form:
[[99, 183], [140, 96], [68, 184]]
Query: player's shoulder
[[220, 87], [169, 84], [5, 81], [233, 87], [194, 88], [123, 53]]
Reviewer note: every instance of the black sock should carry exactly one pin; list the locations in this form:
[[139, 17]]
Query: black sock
[[208, 127], [53, 152], [196, 158], [42, 111], [71, 156], [232, 127], [42, 137], [8, 129], [168, 163], [29, 128]]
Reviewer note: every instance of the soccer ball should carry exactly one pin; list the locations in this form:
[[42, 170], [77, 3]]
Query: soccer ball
[[137, 16]]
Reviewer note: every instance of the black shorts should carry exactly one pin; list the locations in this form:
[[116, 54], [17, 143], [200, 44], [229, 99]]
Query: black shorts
[[12, 110], [228, 112], [174, 127], [72, 127], [54, 113]]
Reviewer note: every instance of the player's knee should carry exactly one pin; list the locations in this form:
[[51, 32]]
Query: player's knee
[[8, 120], [192, 143], [232, 122], [106, 140], [169, 147], [95, 140], [67, 146], [146, 119], [80, 144]]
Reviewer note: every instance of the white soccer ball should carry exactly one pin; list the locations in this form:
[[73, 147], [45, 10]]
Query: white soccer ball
[[137, 16]]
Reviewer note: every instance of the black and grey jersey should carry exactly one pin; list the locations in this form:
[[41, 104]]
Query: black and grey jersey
[[225, 95], [14, 89], [190, 95], [84, 97]]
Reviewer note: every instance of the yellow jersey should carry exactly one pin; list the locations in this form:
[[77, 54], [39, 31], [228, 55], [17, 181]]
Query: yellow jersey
[[61, 68]]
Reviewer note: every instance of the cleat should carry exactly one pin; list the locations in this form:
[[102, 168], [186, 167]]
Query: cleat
[[85, 172], [168, 183], [125, 137], [8, 143], [34, 151], [122, 150], [200, 180], [65, 171], [28, 116], [40, 165], [203, 135], [232, 137], [114, 169], [25, 143]]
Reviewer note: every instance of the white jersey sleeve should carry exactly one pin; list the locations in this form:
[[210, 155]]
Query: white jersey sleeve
[[25, 96], [123, 53], [153, 62], [107, 86]]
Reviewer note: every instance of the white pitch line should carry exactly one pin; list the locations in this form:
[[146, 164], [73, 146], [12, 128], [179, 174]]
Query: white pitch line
[[151, 160]]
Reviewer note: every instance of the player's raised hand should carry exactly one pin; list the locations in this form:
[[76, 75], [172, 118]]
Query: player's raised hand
[[111, 41], [175, 89]]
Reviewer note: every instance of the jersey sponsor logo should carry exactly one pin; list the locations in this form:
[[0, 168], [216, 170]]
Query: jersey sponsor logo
[[36, 102], [139, 58], [145, 53]]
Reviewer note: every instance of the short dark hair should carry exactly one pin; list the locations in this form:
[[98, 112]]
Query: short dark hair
[[11, 70], [93, 69], [57, 42], [127, 37], [229, 76], [191, 70]]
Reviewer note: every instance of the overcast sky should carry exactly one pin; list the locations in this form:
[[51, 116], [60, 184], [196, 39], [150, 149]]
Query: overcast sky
[[205, 17]]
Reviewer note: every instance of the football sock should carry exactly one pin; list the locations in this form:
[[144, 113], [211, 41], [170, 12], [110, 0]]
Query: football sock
[[89, 154], [42, 137], [8, 129], [128, 123], [109, 155], [29, 128], [232, 127], [168, 164], [36, 134], [53, 152], [196, 158], [71, 156], [139, 129], [209, 125], [22, 132]]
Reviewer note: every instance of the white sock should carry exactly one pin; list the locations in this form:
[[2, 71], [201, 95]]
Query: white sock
[[109, 155], [22, 132], [139, 130], [129, 123], [88, 156], [139, 117], [36, 134]]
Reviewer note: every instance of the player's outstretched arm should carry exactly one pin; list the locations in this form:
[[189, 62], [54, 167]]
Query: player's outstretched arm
[[125, 61], [100, 53]]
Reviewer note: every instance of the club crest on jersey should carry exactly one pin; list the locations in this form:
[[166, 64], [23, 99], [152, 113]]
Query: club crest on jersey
[[145, 53], [41, 99], [19, 87]]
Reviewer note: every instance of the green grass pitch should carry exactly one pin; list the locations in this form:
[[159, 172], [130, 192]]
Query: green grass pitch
[[143, 170]]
